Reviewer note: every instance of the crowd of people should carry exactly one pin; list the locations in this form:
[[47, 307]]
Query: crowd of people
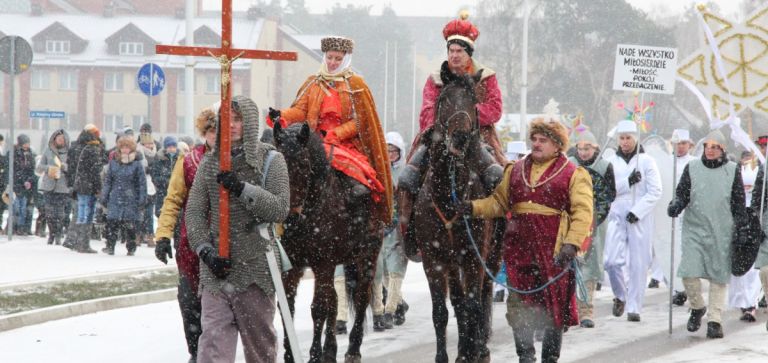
[[561, 199]]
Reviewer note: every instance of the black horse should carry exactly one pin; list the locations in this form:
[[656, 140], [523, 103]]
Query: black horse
[[320, 233], [450, 261]]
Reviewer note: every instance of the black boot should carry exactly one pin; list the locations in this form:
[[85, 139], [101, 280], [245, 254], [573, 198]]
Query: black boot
[[618, 307], [70, 238], [550, 347], [653, 284], [110, 248], [694, 322], [714, 330], [523, 334], [679, 298], [83, 244], [402, 308]]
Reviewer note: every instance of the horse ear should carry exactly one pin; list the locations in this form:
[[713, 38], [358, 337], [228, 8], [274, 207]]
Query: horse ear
[[445, 73], [278, 133], [303, 136], [477, 76]]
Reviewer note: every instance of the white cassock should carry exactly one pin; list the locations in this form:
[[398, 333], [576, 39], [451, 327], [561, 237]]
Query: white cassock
[[743, 291], [660, 262], [630, 244]]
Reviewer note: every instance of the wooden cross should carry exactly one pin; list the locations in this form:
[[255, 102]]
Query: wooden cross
[[225, 55]]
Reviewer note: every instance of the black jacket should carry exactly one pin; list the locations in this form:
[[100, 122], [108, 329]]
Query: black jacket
[[86, 163]]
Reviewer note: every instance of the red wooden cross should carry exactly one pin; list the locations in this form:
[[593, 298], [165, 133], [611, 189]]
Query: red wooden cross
[[225, 55]]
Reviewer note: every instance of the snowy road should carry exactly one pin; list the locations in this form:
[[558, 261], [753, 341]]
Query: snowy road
[[152, 333]]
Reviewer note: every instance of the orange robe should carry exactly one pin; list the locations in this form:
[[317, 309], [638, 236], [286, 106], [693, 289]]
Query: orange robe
[[357, 128]]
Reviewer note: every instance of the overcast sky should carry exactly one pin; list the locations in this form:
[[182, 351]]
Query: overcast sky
[[451, 7]]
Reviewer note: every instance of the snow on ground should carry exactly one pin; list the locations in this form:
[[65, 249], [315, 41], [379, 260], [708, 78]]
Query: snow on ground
[[152, 333]]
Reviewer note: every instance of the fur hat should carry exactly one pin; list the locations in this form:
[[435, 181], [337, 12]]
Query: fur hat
[[462, 32], [126, 141], [552, 129], [205, 121], [337, 43]]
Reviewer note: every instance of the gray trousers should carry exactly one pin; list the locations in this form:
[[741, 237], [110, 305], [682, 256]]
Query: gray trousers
[[249, 313]]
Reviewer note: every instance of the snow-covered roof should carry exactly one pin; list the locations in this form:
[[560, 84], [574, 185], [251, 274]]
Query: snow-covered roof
[[96, 29]]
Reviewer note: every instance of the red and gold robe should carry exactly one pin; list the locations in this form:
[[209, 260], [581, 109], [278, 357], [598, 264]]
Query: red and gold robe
[[551, 204]]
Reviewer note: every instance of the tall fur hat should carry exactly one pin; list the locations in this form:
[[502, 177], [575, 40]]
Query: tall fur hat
[[205, 121], [552, 129], [337, 43]]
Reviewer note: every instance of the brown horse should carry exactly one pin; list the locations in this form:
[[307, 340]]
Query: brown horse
[[321, 233], [450, 261]]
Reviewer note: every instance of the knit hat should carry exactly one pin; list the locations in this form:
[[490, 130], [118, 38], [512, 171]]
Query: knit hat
[[337, 43], [145, 128], [169, 141], [462, 32], [587, 137], [93, 130], [716, 137], [552, 129], [22, 139]]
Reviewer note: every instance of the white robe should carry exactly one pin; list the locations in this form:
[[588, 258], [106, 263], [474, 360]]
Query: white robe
[[630, 244]]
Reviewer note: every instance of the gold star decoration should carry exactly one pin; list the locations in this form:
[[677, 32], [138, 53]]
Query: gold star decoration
[[744, 51]]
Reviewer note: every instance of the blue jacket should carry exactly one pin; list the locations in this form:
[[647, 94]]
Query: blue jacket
[[125, 190]]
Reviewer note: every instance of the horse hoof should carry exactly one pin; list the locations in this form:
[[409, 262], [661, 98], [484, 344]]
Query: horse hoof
[[349, 358], [327, 358]]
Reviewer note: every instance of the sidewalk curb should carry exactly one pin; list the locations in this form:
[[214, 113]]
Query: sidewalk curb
[[18, 320], [90, 277]]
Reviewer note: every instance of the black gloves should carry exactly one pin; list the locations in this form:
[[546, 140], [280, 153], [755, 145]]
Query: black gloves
[[274, 114], [219, 266], [464, 208], [228, 179], [635, 177], [632, 218], [162, 249], [674, 209], [566, 255]]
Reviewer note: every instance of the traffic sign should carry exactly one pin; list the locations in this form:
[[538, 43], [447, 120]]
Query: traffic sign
[[22, 54], [47, 114], [151, 79]]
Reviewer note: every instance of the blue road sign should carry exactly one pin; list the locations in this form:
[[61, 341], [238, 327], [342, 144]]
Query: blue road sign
[[151, 79], [47, 114]]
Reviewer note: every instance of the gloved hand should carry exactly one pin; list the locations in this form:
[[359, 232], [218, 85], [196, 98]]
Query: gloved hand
[[219, 266], [331, 138], [274, 114], [464, 208], [635, 177], [674, 210], [162, 249], [632, 218], [566, 255], [229, 180]]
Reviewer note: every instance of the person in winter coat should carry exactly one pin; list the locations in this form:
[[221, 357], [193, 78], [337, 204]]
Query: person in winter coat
[[604, 192], [161, 170], [630, 222], [146, 227], [124, 195], [460, 35], [237, 292], [392, 262], [706, 187], [171, 218], [85, 163], [551, 203], [24, 184], [54, 183]]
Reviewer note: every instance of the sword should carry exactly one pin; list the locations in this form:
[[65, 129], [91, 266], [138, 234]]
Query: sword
[[282, 299]]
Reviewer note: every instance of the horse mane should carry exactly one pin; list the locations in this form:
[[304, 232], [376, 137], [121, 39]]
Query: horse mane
[[320, 165]]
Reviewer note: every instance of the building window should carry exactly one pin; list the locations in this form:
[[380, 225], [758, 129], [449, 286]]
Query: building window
[[68, 80], [213, 83], [113, 81], [113, 122], [41, 80], [131, 48], [57, 46]]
